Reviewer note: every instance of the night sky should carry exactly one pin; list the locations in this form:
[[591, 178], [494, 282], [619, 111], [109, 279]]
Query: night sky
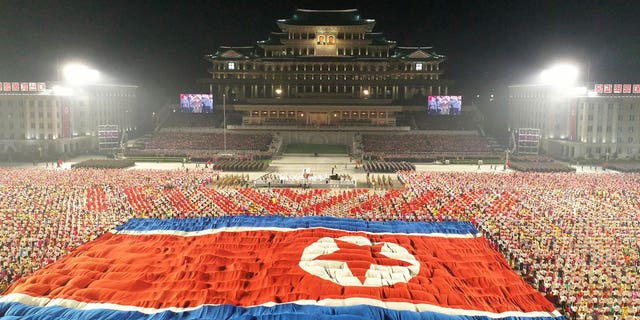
[[159, 45]]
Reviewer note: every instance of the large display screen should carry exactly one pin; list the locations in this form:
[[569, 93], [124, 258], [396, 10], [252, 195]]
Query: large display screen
[[196, 103], [444, 105]]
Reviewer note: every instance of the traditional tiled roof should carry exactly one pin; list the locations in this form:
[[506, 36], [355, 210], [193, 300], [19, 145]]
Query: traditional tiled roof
[[418, 53], [377, 38], [274, 39], [326, 18], [226, 52]]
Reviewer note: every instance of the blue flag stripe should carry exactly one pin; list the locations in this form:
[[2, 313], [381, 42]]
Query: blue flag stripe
[[287, 311], [346, 224]]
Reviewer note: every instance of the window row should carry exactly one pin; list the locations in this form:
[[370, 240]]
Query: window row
[[378, 67], [325, 37], [30, 103], [335, 114]]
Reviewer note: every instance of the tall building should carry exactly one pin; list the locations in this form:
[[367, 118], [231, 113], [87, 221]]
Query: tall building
[[576, 123], [325, 68], [48, 119]]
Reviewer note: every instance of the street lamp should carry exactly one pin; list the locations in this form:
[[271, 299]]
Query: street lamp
[[506, 158], [224, 121]]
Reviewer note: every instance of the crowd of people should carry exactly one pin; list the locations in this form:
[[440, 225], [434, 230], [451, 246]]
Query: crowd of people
[[424, 147], [576, 238], [388, 166], [305, 180], [425, 143], [180, 140], [241, 165]]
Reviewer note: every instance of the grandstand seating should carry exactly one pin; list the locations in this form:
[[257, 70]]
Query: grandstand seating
[[417, 147], [208, 141]]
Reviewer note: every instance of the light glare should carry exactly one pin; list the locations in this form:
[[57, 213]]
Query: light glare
[[62, 91], [561, 74], [80, 74]]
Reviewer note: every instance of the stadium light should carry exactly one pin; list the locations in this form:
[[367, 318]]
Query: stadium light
[[560, 75], [78, 74]]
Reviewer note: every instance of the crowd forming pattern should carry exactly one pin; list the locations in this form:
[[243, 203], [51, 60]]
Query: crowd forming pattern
[[576, 238]]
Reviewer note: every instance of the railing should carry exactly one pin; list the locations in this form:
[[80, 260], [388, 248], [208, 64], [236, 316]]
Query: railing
[[317, 128]]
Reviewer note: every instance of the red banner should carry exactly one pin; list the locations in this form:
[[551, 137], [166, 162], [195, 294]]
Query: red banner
[[574, 120], [66, 127], [10, 86], [599, 88]]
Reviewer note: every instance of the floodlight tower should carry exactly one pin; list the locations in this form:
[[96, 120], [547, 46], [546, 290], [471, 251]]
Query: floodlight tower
[[560, 75], [78, 75]]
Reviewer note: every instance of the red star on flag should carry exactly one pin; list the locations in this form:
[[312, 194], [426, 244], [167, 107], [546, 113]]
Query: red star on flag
[[359, 258]]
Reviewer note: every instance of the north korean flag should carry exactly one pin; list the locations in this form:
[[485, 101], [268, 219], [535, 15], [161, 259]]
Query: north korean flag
[[279, 268]]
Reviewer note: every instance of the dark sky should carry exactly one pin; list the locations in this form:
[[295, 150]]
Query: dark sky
[[159, 44]]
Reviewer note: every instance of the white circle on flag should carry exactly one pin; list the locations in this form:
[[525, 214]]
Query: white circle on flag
[[339, 272]]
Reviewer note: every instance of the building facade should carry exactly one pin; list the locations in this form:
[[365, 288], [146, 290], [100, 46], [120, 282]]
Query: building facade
[[62, 120], [576, 123], [325, 68]]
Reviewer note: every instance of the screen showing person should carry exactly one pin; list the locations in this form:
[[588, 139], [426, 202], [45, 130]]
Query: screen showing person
[[444, 105], [196, 103]]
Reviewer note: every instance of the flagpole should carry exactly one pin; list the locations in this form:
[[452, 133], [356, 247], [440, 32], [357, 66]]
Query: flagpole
[[224, 121]]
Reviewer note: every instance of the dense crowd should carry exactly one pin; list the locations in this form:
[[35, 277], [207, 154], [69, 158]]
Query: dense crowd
[[424, 143], [576, 238], [424, 147], [241, 165], [208, 141], [388, 166]]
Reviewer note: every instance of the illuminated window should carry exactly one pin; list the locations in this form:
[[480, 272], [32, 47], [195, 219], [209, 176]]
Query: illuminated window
[[418, 66], [231, 65]]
